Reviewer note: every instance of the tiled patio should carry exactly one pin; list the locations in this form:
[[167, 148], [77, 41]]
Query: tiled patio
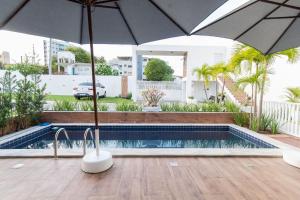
[[151, 178]]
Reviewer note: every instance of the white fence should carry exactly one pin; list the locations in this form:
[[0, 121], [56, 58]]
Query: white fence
[[174, 90], [287, 114]]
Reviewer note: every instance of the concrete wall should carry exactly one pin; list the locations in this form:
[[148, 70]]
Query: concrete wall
[[64, 84]]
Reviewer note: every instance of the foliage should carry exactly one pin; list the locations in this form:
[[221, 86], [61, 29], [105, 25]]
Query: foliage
[[129, 95], [27, 69], [264, 122], [260, 62], [204, 107], [81, 56], [211, 107], [158, 70], [293, 94], [6, 93], [65, 105], [101, 100], [152, 96], [274, 126], [177, 107], [231, 107], [254, 125], [89, 106], [241, 118], [105, 70], [132, 107], [204, 73]]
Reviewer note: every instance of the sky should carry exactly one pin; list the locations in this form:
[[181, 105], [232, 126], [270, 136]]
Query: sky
[[286, 75]]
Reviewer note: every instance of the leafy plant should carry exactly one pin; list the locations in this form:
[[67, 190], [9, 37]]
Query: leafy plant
[[293, 94], [231, 107], [211, 107], [132, 107], [65, 105], [102, 107], [241, 118], [152, 96], [254, 126], [274, 126], [158, 70], [129, 95], [264, 122], [87, 106]]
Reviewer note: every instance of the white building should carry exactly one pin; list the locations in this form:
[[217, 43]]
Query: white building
[[79, 69], [64, 58], [123, 65], [56, 46], [4, 58], [193, 56]]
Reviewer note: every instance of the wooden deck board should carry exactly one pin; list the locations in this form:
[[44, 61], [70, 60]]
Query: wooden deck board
[[151, 179]]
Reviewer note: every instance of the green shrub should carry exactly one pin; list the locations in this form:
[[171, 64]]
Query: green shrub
[[65, 105], [274, 126], [264, 122], [132, 107], [102, 107], [254, 124], [211, 107], [87, 106], [129, 95], [241, 118], [231, 107]]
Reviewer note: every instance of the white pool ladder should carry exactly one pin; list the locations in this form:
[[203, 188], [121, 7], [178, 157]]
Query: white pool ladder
[[56, 139], [87, 131]]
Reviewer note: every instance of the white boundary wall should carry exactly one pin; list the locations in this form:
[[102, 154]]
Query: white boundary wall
[[64, 84]]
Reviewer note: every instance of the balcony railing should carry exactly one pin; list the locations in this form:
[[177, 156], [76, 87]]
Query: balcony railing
[[287, 114]]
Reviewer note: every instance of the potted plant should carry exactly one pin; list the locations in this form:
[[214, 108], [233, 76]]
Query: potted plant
[[151, 97]]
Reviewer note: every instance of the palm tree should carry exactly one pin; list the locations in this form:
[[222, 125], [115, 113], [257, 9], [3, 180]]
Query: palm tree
[[252, 80], [293, 94], [223, 69], [255, 58], [205, 73]]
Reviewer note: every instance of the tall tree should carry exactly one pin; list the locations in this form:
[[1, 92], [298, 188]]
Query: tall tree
[[252, 80], [81, 55], [256, 59], [158, 70], [204, 73]]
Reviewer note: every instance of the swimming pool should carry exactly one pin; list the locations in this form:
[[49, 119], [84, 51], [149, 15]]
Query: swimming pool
[[140, 136]]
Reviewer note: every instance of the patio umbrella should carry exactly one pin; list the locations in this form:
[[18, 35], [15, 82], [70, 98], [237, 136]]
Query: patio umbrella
[[267, 25], [105, 22]]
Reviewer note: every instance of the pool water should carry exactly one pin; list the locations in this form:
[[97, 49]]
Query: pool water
[[147, 137]]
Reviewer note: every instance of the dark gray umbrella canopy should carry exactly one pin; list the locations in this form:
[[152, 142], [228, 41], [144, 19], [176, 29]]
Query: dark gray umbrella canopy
[[267, 25], [114, 22]]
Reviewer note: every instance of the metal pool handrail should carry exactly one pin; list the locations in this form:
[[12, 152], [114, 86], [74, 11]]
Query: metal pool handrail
[[56, 137], [87, 131]]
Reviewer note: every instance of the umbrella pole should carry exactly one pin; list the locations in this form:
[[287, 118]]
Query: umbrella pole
[[90, 26]]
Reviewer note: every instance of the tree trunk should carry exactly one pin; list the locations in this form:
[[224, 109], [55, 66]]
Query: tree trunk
[[251, 107], [261, 98], [205, 91]]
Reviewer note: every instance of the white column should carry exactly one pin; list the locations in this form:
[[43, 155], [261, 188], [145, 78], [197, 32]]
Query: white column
[[134, 72]]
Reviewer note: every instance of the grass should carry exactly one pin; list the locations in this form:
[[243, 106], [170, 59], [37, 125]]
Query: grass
[[116, 100]]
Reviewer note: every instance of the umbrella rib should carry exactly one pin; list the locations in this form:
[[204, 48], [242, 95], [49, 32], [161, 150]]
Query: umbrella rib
[[224, 17], [126, 22], [16, 11], [251, 27], [169, 17], [281, 4], [282, 34], [285, 17]]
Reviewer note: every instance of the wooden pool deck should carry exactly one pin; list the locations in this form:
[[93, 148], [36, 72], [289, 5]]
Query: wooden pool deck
[[226, 178]]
